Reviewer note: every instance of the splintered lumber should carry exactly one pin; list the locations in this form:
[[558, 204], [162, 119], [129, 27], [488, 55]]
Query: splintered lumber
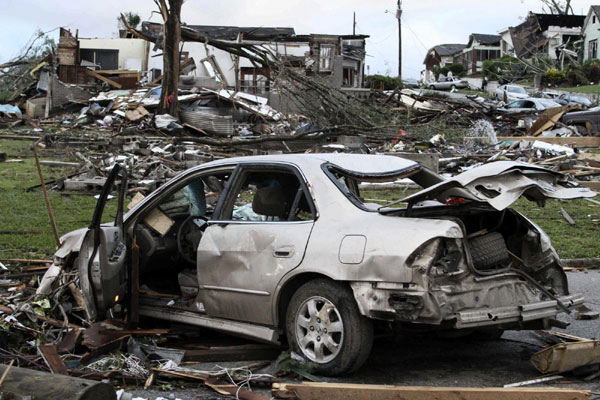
[[564, 357], [234, 353], [53, 360], [344, 391], [547, 120], [44, 386], [567, 217], [103, 78]]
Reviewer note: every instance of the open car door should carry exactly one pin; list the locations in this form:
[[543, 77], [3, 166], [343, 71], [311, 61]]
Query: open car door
[[102, 258]]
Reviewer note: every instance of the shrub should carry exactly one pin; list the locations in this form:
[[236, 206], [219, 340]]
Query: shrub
[[554, 77], [388, 82], [576, 77]]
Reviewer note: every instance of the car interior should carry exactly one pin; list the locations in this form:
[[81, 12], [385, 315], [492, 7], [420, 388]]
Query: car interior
[[169, 233]]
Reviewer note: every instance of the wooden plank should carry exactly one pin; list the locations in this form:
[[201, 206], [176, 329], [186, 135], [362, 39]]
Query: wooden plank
[[587, 141], [344, 391], [547, 120], [234, 353], [567, 217], [52, 359], [103, 78], [594, 185]]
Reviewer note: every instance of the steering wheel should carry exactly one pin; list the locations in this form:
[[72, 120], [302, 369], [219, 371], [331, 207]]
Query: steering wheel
[[188, 237]]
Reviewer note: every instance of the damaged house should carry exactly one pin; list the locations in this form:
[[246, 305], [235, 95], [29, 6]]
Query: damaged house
[[336, 60], [439, 56], [481, 47], [547, 36]]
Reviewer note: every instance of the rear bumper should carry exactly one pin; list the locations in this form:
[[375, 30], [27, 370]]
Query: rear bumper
[[522, 313]]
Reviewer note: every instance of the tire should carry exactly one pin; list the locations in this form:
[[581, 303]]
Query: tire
[[489, 251], [453, 87], [431, 87], [350, 335]]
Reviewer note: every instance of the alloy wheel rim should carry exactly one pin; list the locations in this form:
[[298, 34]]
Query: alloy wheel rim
[[319, 329]]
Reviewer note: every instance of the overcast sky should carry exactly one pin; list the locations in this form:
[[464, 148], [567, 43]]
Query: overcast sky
[[425, 23]]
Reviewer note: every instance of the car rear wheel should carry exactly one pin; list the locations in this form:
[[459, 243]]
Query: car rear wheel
[[453, 87], [431, 87], [323, 325]]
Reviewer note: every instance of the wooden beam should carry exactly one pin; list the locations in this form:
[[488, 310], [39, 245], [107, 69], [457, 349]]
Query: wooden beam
[[103, 78], [344, 391], [578, 141], [594, 185]]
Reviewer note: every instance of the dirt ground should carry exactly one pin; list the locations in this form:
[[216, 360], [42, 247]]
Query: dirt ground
[[423, 360]]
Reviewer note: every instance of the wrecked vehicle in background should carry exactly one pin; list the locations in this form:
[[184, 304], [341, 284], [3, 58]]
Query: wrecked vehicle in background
[[309, 248], [584, 120], [449, 83]]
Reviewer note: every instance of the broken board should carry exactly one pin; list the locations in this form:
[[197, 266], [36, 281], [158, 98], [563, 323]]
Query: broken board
[[344, 391]]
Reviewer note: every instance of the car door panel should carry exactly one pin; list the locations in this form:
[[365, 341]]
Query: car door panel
[[240, 264], [103, 254]]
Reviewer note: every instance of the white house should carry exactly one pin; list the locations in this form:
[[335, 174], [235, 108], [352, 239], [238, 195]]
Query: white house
[[591, 34]]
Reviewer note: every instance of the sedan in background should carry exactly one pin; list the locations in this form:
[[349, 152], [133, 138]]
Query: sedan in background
[[529, 104], [449, 83], [509, 93], [573, 100]]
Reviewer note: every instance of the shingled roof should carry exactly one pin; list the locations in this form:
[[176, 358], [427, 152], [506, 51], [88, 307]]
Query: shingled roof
[[448, 49]]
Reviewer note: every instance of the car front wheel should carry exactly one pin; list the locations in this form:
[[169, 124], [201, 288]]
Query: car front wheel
[[323, 325]]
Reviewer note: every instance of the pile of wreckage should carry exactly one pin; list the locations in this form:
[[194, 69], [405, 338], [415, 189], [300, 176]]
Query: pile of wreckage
[[53, 334]]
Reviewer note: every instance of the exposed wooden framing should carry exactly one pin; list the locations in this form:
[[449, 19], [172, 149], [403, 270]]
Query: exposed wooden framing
[[344, 391], [103, 78], [587, 141]]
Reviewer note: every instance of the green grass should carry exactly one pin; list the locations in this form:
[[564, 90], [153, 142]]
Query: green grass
[[583, 89], [26, 211], [22, 210]]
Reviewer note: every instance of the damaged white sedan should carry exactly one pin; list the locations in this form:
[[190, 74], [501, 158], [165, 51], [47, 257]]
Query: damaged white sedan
[[301, 248]]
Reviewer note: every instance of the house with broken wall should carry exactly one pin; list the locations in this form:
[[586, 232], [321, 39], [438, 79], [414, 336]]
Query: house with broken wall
[[547, 35], [335, 60]]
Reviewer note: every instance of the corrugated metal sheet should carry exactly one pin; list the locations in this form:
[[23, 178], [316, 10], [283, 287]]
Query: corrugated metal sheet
[[216, 124]]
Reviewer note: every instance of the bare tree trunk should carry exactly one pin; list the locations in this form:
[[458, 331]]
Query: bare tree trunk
[[171, 57]]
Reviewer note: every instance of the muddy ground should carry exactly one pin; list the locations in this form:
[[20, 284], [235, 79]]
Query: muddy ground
[[422, 360]]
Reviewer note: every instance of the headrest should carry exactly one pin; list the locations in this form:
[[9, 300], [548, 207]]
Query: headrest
[[269, 201]]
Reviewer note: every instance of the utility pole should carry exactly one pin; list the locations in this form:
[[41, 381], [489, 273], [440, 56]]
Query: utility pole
[[399, 16], [354, 24]]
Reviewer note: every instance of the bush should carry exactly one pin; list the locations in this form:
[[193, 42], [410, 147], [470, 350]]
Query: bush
[[502, 67], [576, 77], [554, 76], [456, 69], [591, 68], [388, 82]]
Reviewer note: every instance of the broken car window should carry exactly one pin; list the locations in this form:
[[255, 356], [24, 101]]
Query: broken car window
[[268, 196], [371, 192]]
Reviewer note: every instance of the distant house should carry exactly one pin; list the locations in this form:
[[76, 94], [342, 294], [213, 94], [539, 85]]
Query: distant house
[[506, 44], [336, 60], [546, 35], [481, 47], [441, 55], [591, 34]]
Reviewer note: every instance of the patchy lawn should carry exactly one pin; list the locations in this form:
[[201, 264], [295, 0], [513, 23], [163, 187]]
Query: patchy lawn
[[25, 230], [583, 89], [579, 241], [25, 211]]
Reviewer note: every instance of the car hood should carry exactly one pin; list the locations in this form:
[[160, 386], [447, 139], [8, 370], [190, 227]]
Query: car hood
[[502, 183]]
